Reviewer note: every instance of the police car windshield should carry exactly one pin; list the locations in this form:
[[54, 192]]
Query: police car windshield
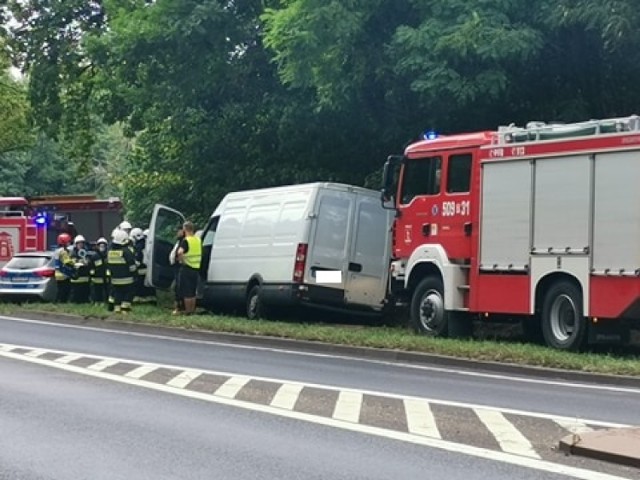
[[27, 263]]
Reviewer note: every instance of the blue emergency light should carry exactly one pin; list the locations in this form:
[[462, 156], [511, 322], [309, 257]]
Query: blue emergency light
[[430, 135], [41, 219]]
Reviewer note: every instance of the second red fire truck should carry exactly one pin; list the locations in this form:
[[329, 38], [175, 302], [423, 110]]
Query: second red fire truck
[[539, 223]]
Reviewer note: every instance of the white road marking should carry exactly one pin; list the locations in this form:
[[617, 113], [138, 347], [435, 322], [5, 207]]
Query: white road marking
[[184, 378], [395, 364], [348, 406], [6, 348], [433, 401], [36, 353], [231, 387], [536, 464], [68, 358], [420, 420], [573, 426], [287, 396], [508, 436], [141, 371], [102, 364]]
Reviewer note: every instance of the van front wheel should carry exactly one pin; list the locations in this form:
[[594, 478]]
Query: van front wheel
[[255, 307]]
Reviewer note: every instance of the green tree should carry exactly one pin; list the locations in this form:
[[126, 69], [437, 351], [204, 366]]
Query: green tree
[[219, 96], [464, 64], [15, 129]]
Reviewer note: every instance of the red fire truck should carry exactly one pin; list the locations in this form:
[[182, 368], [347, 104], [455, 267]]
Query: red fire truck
[[536, 223], [19, 232], [32, 224]]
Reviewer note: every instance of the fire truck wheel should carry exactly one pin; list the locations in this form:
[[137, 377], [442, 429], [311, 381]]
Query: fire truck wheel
[[428, 315], [563, 324]]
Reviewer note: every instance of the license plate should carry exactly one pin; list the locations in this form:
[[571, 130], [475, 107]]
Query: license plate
[[20, 279]]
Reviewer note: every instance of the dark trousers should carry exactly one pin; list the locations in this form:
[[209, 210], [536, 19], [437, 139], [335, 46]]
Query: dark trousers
[[177, 290], [80, 292], [64, 290], [122, 296], [99, 292]]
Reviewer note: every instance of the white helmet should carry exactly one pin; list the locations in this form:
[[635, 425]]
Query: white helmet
[[79, 238], [114, 231], [125, 226], [120, 237], [102, 240], [136, 233]]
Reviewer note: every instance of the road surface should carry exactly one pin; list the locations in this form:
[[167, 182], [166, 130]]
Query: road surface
[[80, 402]]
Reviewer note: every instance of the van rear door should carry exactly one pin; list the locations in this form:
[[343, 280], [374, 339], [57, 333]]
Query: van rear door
[[329, 247], [368, 266], [163, 230]]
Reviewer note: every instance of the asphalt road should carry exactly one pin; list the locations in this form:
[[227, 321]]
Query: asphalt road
[[57, 423], [519, 392]]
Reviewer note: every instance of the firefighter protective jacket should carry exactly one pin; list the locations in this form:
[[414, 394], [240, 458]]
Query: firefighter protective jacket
[[121, 264]]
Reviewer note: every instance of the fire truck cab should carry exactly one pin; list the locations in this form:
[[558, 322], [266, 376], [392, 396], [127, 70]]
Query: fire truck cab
[[538, 223]]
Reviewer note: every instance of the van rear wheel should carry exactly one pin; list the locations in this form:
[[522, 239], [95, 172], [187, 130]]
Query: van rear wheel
[[255, 308]]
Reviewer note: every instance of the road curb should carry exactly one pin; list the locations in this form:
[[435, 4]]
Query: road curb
[[618, 445], [380, 354]]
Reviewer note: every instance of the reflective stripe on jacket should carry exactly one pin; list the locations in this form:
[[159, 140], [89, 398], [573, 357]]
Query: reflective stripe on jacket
[[63, 264], [121, 265]]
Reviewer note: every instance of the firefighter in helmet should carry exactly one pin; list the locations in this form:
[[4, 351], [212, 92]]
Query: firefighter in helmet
[[80, 283], [122, 267], [64, 267], [98, 272], [138, 242], [110, 299], [126, 226]]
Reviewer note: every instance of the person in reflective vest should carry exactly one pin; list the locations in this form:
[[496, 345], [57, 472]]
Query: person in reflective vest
[[63, 264], [80, 283], [190, 256], [121, 264], [98, 272]]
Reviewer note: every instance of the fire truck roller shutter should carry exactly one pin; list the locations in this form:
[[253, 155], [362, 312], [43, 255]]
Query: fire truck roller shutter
[[616, 235], [506, 216]]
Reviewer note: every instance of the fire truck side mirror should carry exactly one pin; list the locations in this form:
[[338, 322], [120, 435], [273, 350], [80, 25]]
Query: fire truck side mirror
[[389, 182]]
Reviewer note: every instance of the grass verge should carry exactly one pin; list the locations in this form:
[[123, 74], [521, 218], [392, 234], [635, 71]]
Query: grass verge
[[396, 338]]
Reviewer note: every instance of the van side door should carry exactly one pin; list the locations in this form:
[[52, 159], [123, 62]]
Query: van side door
[[163, 230]]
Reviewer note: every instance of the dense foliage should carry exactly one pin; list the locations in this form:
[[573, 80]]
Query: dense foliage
[[220, 95]]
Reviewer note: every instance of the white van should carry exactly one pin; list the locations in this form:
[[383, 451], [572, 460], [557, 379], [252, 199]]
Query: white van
[[320, 243]]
